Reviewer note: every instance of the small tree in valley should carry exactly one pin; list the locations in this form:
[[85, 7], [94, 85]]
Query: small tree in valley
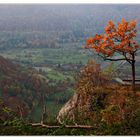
[[117, 43]]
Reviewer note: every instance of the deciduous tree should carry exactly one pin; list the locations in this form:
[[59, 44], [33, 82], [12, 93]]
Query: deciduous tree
[[117, 43]]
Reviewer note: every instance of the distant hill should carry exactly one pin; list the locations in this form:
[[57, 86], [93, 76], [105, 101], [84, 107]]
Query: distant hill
[[21, 89], [89, 18]]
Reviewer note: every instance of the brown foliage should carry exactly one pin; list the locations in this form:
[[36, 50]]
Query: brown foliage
[[90, 77], [102, 101]]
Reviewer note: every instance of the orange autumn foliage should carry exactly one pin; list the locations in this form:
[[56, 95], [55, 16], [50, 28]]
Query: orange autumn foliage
[[118, 38]]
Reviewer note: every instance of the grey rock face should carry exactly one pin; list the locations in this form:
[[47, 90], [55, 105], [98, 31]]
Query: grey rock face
[[68, 110]]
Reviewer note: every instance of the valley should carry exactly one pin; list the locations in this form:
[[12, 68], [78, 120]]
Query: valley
[[44, 65]]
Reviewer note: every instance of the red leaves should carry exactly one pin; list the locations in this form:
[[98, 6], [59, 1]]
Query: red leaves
[[136, 46], [90, 41], [120, 38]]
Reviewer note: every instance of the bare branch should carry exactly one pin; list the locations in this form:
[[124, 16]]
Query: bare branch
[[115, 59], [65, 126], [127, 59], [119, 59]]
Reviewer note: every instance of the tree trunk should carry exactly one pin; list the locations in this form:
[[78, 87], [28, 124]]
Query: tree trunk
[[133, 72], [43, 114]]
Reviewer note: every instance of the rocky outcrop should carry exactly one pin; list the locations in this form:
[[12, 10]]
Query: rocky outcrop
[[67, 111], [77, 106], [80, 107]]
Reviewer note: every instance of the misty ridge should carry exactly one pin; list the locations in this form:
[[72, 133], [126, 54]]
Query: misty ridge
[[62, 17]]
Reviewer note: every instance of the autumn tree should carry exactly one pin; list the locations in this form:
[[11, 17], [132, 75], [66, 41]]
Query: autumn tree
[[117, 43]]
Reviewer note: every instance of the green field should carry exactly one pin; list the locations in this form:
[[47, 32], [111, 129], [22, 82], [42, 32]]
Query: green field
[[66, 53]]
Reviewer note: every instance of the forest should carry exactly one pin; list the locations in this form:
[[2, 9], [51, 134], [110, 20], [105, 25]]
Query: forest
[[69, 69]]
